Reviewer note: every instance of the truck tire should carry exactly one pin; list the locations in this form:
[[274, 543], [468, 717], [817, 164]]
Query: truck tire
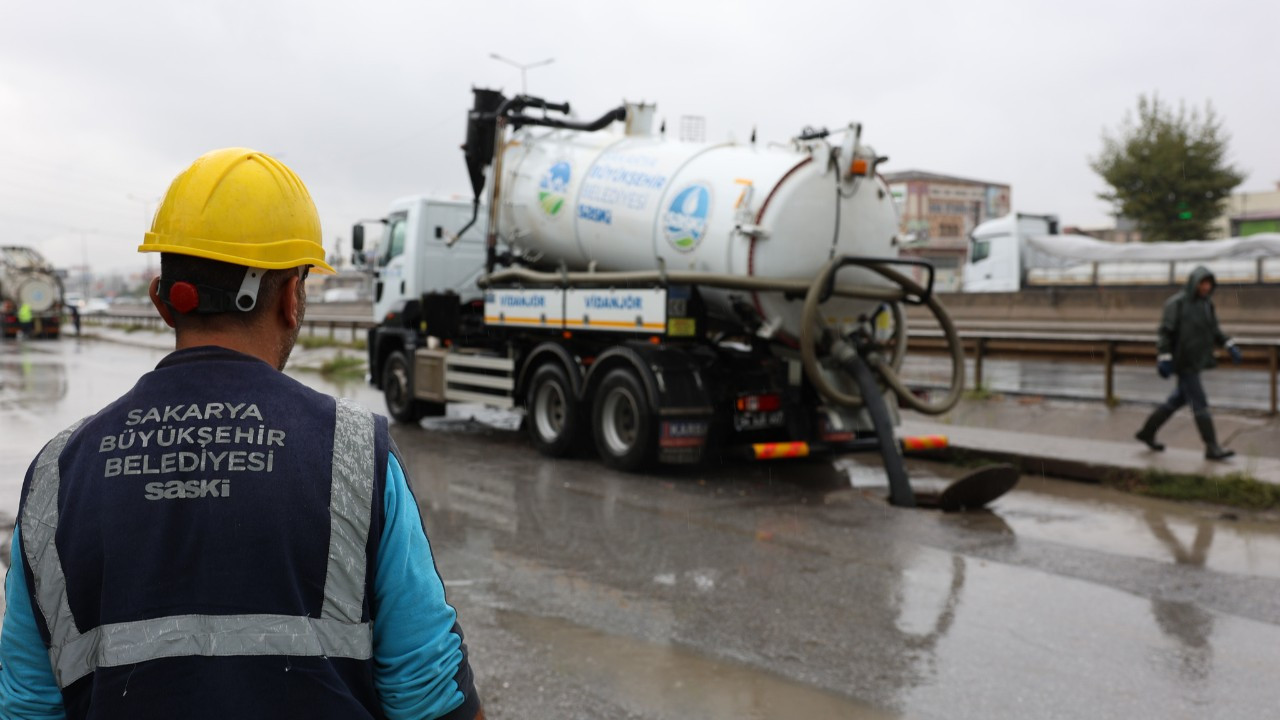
[[623, 422], [398, 392], [552, 412]]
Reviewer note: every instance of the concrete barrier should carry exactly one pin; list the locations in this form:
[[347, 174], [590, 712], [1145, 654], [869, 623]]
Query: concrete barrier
[[1244, 304]]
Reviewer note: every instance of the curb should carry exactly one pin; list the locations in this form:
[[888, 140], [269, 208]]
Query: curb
[[1093, 461], [1064, 468]]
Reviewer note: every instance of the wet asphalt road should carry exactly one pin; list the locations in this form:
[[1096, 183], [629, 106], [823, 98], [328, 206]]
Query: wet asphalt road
[[787, 591]]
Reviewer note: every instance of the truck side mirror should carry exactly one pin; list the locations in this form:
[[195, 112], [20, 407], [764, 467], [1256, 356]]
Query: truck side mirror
[[357, 237]]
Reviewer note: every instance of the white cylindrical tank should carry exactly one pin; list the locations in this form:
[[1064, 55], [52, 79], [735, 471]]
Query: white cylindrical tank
[[26, 278], [37, 291], [624, 201]]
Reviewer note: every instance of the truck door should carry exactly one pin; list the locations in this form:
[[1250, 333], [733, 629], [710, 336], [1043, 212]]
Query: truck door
[[993, 262], [390, 283], [451, 267]]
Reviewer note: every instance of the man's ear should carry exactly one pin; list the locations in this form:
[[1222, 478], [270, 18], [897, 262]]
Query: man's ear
[[288, 305], [165, 311]]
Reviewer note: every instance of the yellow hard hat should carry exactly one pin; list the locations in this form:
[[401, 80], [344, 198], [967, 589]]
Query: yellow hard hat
[[242, 207]]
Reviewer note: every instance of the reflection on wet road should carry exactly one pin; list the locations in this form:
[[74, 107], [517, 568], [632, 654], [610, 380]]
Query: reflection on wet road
[[639, 675], [45, 386], [778, 591], [1109, 522], [26, 381]]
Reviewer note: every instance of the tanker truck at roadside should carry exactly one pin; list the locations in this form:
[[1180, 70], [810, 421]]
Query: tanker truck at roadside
[[26, 277], [661, 301]]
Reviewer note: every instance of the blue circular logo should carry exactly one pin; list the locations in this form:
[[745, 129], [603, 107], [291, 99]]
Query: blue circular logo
[[552, 186], [685, 221]]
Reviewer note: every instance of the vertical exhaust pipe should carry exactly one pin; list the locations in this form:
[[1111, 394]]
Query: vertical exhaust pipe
[[479, 146]]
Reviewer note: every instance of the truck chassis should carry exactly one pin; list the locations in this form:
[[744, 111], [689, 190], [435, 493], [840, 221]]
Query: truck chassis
[[642, 372]]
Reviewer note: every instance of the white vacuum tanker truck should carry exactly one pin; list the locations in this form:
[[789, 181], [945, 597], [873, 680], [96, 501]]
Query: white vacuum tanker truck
[[27, 278], [663, 300]]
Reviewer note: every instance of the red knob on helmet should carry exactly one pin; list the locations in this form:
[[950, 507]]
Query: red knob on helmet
[[183, 297]]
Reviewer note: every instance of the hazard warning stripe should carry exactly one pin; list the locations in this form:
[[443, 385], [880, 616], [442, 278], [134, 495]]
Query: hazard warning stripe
[[774, 451]]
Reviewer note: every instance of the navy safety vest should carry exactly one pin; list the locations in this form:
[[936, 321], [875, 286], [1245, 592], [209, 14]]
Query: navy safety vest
[[205, 546]]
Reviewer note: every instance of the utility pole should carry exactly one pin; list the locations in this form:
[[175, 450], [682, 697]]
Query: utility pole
[[524, 68]]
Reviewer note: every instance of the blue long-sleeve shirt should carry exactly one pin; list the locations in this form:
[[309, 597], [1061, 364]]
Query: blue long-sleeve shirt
[[416, 650]]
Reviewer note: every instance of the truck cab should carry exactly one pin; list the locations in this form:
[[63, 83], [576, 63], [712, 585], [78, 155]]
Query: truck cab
[[996, 251], [414, 255], [417, 254]]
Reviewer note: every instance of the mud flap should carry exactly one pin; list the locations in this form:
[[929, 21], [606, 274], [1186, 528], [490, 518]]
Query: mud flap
[[973, 491]]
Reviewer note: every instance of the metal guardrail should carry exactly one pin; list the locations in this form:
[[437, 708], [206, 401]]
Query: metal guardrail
[[1110, 349], [314, 326]]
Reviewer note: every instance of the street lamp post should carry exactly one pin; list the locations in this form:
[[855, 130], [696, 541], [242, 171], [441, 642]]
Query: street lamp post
[[84, 268], [524, 68]]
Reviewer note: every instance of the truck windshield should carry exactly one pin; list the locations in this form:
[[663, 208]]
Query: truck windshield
[[393, 239], [979, 249]]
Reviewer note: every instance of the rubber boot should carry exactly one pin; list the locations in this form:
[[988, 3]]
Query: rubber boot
[[1212, 451], [1148, 432]]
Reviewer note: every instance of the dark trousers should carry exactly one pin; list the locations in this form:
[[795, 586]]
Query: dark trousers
[[1189, 390]]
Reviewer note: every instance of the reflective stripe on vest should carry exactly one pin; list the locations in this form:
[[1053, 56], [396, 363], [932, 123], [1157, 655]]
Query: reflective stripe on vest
[[338, 632]]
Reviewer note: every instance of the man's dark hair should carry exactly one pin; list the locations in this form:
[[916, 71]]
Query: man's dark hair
[[223, 276]]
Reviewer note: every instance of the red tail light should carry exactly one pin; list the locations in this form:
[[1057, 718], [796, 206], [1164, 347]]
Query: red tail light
[[759, 403]]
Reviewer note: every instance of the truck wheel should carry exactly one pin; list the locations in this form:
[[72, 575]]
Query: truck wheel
[[552, 411], [623, 421], [398, 392]]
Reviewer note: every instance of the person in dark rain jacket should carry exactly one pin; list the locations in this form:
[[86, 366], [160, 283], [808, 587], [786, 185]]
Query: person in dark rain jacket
[[1185, 345]]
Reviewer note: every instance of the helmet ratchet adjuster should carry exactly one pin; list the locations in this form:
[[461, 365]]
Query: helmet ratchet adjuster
[[186, 297]]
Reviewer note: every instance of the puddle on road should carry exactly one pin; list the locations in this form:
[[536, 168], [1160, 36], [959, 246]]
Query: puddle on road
[[668, 681], [1102, 519], [1106, 520], [30, 376]]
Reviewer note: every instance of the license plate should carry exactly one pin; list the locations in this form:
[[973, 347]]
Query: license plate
[[758, 420]]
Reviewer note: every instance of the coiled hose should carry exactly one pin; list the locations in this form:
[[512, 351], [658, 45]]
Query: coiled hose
[[813, 325]]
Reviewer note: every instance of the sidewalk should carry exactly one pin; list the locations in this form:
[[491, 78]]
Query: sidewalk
[[1089, 441]]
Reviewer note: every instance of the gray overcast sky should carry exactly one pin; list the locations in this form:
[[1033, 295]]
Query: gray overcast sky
[[102, 103]]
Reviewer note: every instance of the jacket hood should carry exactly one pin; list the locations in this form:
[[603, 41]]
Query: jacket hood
[[1200, 273]]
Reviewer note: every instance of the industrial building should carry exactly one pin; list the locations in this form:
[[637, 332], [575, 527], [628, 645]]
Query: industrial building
[[937, 214]]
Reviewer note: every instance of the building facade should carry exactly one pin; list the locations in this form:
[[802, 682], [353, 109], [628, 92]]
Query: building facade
[[937, 213], [1250, 213]]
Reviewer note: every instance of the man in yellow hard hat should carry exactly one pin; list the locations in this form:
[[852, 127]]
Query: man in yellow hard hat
[[222, 541]]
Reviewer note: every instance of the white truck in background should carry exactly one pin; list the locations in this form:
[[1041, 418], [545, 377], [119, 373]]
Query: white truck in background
[[1021, 251], [666, 301]]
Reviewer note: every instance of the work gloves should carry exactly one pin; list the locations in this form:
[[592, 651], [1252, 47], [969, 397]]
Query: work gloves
[[1236, 355], [1164, 363]]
